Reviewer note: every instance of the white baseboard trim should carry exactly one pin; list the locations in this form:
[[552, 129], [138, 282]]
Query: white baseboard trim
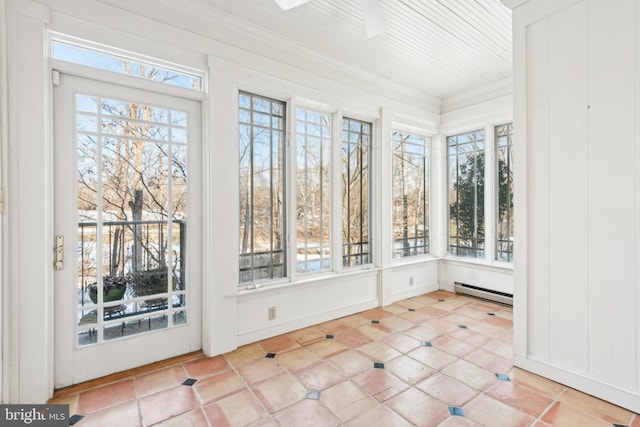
[[249, 337], [414, 292], [626, 398]]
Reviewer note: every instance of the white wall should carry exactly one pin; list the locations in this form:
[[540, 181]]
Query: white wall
[[577, 121]]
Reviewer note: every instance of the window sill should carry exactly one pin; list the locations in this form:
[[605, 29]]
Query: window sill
[[412, 261], [301, 281], [478, 262]]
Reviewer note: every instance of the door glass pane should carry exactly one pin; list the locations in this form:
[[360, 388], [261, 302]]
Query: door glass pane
[[132, 210]]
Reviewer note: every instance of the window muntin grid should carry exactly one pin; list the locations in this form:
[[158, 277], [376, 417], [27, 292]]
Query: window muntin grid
[[356, 153], [410, 186], [262, 188], [504, 192], [121, 64], [313, 153], [132, 210], [466, 194]]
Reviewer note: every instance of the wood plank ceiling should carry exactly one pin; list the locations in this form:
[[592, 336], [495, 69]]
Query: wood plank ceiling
[[440, 47]]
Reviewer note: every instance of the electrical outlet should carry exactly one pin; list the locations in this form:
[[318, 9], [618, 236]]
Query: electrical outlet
[[272, 313], [411, 281]]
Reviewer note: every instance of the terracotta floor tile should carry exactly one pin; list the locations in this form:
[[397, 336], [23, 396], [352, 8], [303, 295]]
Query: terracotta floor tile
[[260, 370], [409, 303], [470, 374], [194, 418], [69, 399], [352, 338], [636, 421], [537, 383], [319, 376], [346, 400], [375, 332], [455, 421], [401, 308], [499, 347], [423, 333], [419, 408], [565, 416], [596, 407], [426, 299], [279, 344], [380, 416], [376, 314], [332, 326], [297, 359], [499, 321], [401, 342], [380, 384], [327, 348], [307, 413], [397, 323], [447, 390], [458, 319], [166, 404], [471, 313], [207, 366], [472, 337], [488, 329], [355, 321], [267, 422], [238, 409], [453, 346], [307, 336], [486, 307], [491, 413], [490, 361], [432, 312], [378, 351], [432, 357], [415, 316], [350, 362], [408, 369], [106, 396], [280, 392], [441, 326], [245, 354], [160, 380], [520, 397], [125, 415], [218, 386]]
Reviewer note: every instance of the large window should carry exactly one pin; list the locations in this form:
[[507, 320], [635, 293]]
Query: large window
[[504, 181], [356, 143], [410, 178], [313, 151], [262, 188], [466, 194]]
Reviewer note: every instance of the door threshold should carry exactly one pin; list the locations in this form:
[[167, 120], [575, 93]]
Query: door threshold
[[119, 376]]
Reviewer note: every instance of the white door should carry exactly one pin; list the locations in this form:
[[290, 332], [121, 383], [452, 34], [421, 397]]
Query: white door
[[127, 179]]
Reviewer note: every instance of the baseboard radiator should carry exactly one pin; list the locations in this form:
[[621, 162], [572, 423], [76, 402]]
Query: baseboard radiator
[[488, 294]]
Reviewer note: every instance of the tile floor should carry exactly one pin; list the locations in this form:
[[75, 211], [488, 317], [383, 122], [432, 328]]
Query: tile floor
[[435, 360]]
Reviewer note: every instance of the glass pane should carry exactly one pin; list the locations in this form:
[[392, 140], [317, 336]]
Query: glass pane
[[119, 64], [132, 206]]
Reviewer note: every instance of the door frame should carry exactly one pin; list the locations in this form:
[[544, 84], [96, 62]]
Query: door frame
[[63, 375]]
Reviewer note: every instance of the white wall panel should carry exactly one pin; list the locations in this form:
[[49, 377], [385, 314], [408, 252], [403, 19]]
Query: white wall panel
[[538, 179], [612, 195], [579, 83], [568, 171], [414, 279], [495, 278]]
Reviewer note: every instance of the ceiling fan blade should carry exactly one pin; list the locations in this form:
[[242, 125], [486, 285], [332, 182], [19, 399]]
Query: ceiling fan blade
[[290, 4], [373, 17]]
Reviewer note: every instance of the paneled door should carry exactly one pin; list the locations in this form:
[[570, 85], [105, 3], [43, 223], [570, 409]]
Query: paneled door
[[127, 176]]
